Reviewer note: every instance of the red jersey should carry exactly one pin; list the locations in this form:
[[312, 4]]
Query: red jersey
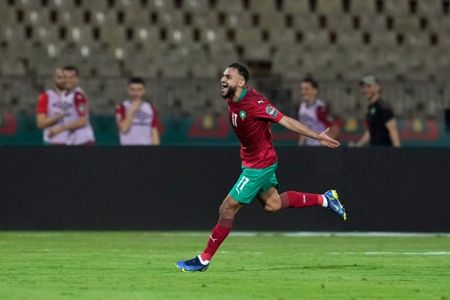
[[250, 117]]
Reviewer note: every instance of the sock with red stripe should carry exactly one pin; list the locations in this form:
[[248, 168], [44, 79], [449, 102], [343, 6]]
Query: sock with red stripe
[[300, 200], [218, 235]]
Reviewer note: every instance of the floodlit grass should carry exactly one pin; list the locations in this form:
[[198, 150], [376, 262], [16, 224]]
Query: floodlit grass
[[141, 265]]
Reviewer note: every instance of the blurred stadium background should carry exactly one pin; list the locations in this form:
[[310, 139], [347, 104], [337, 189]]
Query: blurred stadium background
[[181, 47]]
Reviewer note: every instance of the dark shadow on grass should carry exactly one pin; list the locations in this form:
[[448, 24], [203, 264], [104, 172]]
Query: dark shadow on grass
[[299, 268]]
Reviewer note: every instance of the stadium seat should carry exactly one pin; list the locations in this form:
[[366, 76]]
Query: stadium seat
[[13, 67], [136, 17], [81, 35], [257, 51], [340, 23], [146, 35], [160, 5], [229, 6], [271, 21], [238, 20], [249, 36], [406, 25], [318, 40], [306, 23], [373, 24], [200, 7], [206, 70], [205, 21], [287, 65], [396, 8], [46, 34], [72, 18], [296, 7], [113, 36], [329, 7], [34, 16], [170, 18], [179, 36], [128, 5], [27, 4], [222, 55], [64, 4], [262, 6], [365, 7], [283, 38], [432, 9]]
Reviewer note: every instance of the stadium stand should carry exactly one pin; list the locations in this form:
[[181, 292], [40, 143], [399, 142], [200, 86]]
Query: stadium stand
[[403, 42]]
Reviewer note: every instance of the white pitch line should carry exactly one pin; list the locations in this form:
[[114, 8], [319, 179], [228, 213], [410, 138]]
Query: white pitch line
[[341, 234], [429, 253], [314, 234]]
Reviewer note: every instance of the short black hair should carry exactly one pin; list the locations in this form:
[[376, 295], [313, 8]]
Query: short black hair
[[71, 69], [311, 81], [242, 70], [136, 80]]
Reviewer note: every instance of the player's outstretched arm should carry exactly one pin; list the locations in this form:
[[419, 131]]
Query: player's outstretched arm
[[294, 125]]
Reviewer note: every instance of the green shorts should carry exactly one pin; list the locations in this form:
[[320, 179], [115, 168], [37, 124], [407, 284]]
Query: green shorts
[[254, 182]]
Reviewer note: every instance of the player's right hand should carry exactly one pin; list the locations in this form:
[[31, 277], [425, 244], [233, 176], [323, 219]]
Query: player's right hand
[[327, 141]]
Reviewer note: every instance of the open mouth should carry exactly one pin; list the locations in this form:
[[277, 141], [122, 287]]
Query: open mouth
[[224, 88]]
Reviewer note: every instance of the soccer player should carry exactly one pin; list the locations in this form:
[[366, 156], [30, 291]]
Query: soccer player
[[50, 110], [250, 114], [314, 113], [137, 119], [76, 123]]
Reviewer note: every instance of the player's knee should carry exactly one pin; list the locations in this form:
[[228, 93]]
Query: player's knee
[[223, 211], [227, 210]]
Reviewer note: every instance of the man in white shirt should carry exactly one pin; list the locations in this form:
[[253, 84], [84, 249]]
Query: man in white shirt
[[137, 119]]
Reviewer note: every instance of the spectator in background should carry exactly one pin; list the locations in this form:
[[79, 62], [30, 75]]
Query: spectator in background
[[137, 120], [314, 113], [75, 123], [51, 109], [382, 126]]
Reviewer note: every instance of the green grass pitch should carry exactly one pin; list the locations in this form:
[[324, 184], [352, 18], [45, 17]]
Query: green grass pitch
[[141, 265]]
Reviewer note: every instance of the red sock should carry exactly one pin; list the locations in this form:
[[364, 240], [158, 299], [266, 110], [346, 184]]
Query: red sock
[[299, 200], [218, 235]]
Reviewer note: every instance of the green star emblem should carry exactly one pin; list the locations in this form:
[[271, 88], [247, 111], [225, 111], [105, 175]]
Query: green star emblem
[[242, 114]]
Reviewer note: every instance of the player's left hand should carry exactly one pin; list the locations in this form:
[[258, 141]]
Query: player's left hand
[[327, 141], [55, 131]]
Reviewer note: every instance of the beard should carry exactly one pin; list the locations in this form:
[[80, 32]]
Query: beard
[[228, 92], [60, 86]]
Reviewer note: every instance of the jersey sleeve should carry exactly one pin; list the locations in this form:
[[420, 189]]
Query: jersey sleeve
[[81, 104], [323, 115], [155, 122], [42, 105], [120, 112], [387, 114], [267, 111]]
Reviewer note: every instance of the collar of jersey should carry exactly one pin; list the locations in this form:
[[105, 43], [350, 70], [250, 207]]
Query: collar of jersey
[[244, 92]]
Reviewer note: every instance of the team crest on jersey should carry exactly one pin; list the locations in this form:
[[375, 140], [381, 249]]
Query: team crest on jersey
[[373, 110], [64, 106], [142, 116], [272, 111], [242, 114]]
